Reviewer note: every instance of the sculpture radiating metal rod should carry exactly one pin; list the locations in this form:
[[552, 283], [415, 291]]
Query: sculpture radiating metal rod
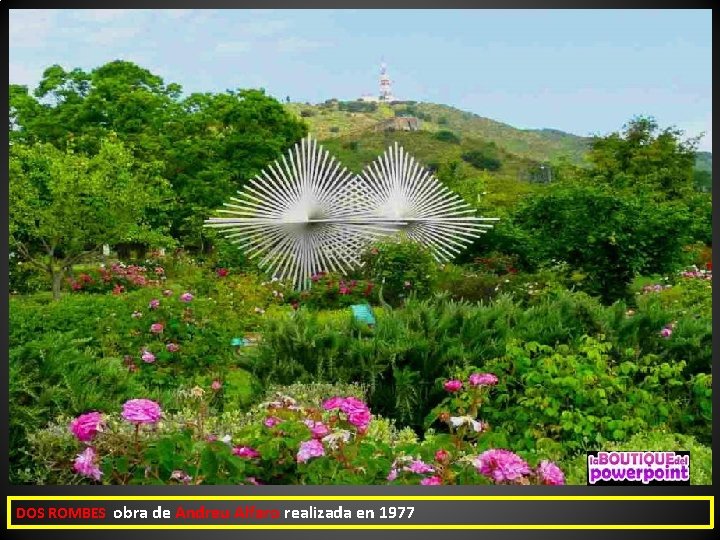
[[309, 214]]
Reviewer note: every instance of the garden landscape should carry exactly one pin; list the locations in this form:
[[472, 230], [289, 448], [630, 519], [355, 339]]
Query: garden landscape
[[146, 348]]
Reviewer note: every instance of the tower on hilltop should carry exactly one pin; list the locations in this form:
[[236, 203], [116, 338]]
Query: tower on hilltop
[[385, 84]]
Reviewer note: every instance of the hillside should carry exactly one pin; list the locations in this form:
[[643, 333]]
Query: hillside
[[328, 121], [704, 161], [481, 172]]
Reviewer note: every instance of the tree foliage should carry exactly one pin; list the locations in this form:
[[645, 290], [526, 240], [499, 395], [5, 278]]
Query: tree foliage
[[645, 157], [64, 205], [207, 144]]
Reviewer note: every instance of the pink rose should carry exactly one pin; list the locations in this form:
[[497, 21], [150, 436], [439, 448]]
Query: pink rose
[[483, 379], [86, 464], [141, 411], [333, 403], [452, 385], [550, 474], [245, 452], [431, 481], [87, 425]]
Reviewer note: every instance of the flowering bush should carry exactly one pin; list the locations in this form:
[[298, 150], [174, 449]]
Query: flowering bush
[[400, 267], [280, 442], [330, 291], [116, 278]]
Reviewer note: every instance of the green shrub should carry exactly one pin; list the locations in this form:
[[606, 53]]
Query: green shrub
[[634, 235], [400, 268], [481, 160], [26, 279], [447, 136], [582, 398], [57, 373]]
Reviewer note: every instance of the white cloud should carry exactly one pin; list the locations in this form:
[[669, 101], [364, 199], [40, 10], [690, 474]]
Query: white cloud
[[293, 44], [30, 27], [232, 47]]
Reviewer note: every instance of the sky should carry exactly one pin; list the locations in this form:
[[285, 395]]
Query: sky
[[582, 71]]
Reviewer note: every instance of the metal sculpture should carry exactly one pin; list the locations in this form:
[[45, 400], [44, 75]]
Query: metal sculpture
[[308, 214]]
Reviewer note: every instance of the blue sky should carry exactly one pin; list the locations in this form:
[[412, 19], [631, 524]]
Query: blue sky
[[581, 71]]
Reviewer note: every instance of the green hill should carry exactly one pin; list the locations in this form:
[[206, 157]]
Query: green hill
[[489, 163], [332, 119], [481, 172], [703, 161]]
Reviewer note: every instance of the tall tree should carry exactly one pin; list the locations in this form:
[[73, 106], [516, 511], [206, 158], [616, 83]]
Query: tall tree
[[65, 205], [644, 157], [209, 143]]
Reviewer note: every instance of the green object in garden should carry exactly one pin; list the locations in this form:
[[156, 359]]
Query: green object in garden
[[239, 342], [363, 313]]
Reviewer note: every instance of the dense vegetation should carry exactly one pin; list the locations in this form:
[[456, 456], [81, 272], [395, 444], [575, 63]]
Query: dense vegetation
[[581, 321]]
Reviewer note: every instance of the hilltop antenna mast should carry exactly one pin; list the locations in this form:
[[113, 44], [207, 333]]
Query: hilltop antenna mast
[[385, 84]]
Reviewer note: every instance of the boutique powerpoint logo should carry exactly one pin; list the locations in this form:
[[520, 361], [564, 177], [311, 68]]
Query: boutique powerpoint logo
[[639, 468]]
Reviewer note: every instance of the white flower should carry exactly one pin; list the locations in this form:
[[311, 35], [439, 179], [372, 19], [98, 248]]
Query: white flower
[[227, 439], [334, 438], [457, 421]]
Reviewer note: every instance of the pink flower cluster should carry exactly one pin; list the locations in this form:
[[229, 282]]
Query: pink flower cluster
[[501, 466], [549, 474], [156, 328], [483, 379], [453, 385], [667, 330], [245, 452], [86, 464], [695, 273], [87, 425], [475, 380], [505, 467], [654, 288], [318, 429], [141, 411], [272, 421], [358, 413], [418, 466], [310, 449]]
